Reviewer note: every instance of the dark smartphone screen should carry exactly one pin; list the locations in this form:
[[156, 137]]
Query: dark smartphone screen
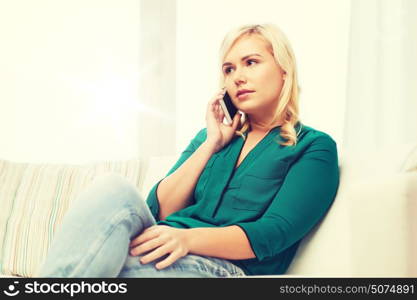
[[231, 108]]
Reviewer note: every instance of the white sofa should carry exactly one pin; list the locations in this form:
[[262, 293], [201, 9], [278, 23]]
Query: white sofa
[[370, 230]]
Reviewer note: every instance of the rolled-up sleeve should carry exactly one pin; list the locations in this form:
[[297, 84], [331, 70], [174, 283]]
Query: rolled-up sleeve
[[152, 199], [306, 194]]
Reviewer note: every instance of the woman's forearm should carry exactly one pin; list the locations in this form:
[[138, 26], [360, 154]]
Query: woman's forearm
[[228, 242], [175, 191]]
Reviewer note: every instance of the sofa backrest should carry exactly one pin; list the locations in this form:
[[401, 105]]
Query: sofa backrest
[[373, 183]]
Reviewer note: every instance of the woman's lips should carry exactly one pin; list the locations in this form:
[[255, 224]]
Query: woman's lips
[[244, 95]]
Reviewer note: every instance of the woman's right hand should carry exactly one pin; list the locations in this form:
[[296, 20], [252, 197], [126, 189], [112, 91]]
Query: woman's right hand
[[218, 133]]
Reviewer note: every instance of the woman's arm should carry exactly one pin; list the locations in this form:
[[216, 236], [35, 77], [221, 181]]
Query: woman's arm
[[175, 191], [228, 242]]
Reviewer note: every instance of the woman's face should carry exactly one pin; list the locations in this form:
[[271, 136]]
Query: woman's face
[[249, 65]]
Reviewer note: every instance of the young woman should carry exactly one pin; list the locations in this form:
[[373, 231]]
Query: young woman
[[237, 202]]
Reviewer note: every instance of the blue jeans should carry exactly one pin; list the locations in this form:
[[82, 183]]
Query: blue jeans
[[93, 239]]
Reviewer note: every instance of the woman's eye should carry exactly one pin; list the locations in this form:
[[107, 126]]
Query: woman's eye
[[250, 60], [227, 70]]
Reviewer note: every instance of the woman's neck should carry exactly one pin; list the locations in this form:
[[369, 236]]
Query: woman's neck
[[262, 127]]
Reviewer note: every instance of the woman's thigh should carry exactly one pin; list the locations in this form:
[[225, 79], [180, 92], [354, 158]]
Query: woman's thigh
[[188, 266]]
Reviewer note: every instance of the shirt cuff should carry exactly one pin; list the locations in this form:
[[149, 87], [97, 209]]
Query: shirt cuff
[[266, 237]]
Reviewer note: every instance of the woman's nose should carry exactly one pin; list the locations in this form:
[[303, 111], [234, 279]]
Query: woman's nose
[[239, 77]]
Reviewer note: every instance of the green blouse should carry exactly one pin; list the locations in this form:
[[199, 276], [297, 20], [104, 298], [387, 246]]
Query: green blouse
[[276, 195]]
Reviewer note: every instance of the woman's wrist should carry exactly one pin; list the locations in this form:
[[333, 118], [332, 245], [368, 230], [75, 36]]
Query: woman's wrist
[[189, 239], [209, 146]]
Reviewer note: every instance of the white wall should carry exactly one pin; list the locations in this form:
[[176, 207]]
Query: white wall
[[69, 76], [318, 31], [70, 71]]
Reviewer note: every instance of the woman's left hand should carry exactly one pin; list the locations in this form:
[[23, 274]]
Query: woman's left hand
[[160, 240]]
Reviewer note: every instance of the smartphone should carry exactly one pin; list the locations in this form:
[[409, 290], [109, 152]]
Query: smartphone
[[228, 107]]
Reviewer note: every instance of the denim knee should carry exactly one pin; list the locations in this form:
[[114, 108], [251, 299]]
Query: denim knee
[[116, 192]]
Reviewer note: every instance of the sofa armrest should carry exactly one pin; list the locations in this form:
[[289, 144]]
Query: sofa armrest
[[383, 217]]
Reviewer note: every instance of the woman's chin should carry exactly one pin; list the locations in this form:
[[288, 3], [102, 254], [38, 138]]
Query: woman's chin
[[247, 110]]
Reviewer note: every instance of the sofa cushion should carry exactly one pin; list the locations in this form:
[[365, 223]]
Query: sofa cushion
[[34, 199]]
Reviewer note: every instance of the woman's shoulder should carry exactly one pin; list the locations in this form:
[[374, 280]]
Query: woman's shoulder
[[309, 136], [309, 133]]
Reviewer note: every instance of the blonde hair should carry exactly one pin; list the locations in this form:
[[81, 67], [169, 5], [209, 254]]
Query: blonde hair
[[284, 57]]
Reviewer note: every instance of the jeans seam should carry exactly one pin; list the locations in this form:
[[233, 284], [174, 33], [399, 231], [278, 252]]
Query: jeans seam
[[218, 267], [116, 220]]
